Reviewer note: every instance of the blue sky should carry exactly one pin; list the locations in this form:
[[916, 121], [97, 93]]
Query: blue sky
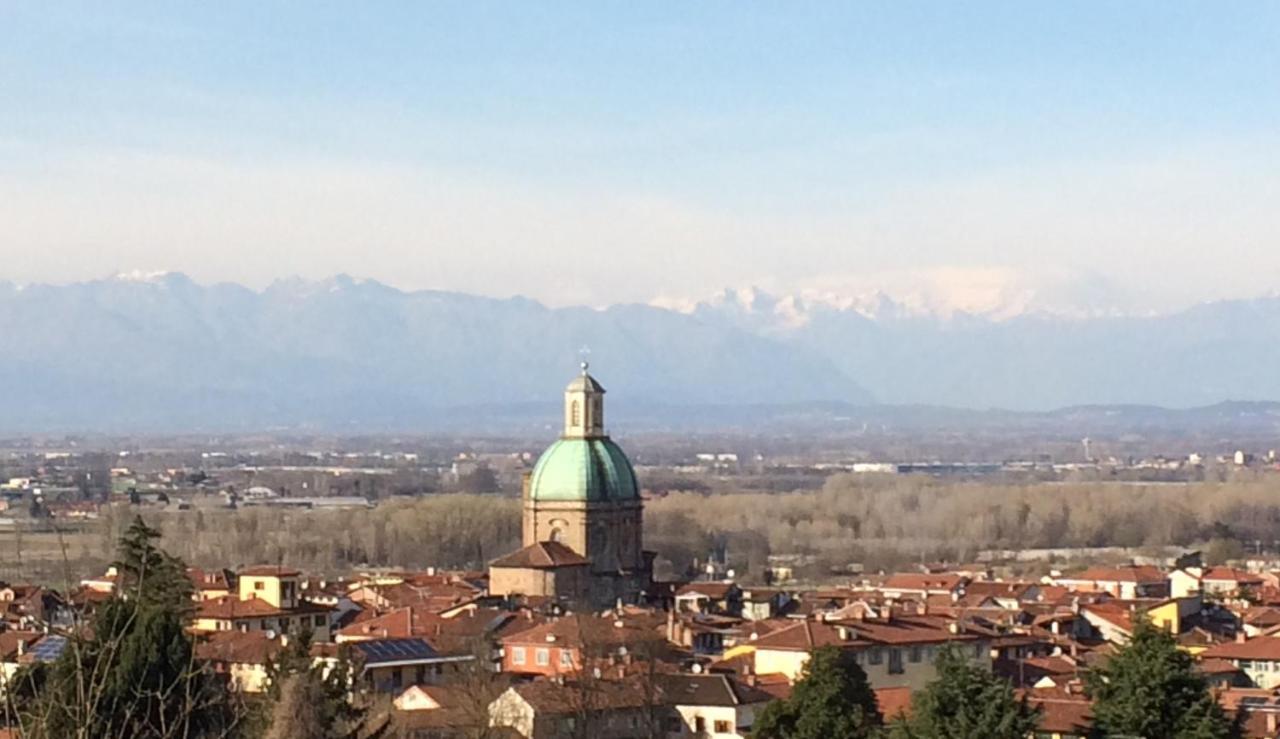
[[596, 152]]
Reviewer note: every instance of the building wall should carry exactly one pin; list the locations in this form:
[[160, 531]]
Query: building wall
[[564, 582], [911, 668], [609, 534], [281, 592], [560, 659], [734, 716]]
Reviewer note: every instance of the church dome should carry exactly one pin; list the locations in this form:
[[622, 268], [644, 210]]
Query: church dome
[[593, 470]]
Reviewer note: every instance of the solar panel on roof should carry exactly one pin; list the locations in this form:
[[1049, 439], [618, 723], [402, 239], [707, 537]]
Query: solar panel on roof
[[49, 649], [395, 650]]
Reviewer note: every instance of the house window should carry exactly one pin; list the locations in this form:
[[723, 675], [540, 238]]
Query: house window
[[517, 655], [700, 725], [319, 620], [543, 656], [723, 727], [977, 651], [895, 661], [875, 656], [673, 725], [259, 585], [566, 658], [914, 655]]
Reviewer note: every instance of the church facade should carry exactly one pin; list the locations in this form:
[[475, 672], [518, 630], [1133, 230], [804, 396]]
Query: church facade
[[582, 515]]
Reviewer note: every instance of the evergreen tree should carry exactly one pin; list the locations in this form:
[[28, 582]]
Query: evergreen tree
[[831, 700], [1149, 688], [134, 674], [966, 701]]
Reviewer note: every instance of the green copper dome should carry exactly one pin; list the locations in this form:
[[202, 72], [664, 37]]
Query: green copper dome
[[593, 470]]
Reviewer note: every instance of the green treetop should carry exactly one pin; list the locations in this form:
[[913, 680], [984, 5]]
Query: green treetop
[[831, 700], [966, 701], [1149, 688]]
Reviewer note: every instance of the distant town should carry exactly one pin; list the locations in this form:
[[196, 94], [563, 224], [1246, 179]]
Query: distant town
[[575, 594]]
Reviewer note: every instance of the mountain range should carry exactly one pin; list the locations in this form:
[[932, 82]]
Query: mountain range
[[164, 352]]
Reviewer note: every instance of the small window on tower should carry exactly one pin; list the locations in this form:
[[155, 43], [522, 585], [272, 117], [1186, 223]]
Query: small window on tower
[[597, 409], [575, 414]]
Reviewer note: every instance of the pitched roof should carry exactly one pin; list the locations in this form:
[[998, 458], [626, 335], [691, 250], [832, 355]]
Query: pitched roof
[[240, 647], [9, 641], [549, 698], [708, 690], [901, 631], [914, 581], [576, 630], [1261, 647], [1135, 574], [1067, 716], [388, 651], [1230, 574], [230, 607], [543, 554]]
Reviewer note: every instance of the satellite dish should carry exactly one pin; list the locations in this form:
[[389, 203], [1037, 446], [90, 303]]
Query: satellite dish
[[729, 574]]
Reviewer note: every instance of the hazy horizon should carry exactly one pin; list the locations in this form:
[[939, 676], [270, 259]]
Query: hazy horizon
[[1096, 156]]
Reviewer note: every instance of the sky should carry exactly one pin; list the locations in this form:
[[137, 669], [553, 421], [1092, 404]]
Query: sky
[[598, 152]]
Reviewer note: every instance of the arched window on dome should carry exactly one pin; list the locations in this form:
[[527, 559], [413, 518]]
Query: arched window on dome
[[557, 535], [575, 414]]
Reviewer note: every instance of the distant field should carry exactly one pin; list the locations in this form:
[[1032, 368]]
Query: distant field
[[54, 558]]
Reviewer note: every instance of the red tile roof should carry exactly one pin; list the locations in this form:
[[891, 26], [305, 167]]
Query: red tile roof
[[543, 554], [239, 647], [913, 581], [1259, 648], [232, 607], [894, 702], [1134, 574]]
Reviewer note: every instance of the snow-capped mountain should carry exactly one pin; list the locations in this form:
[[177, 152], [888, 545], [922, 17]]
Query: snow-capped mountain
[[160, 351]]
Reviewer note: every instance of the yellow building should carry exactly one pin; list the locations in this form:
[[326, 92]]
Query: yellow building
[[267, 600]]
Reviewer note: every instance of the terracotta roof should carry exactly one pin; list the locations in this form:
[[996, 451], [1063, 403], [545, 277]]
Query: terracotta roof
[[231, 607], [1230, 574], [9, 642], [1067, 715], [893, 702], [210, 579], [1134, 574], [993, 589], [445, 634], [551, 698], [913, 581], [575, 630], [239, 647], [1216, 667], [1262, 647], [808, 635], [540, 555]]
